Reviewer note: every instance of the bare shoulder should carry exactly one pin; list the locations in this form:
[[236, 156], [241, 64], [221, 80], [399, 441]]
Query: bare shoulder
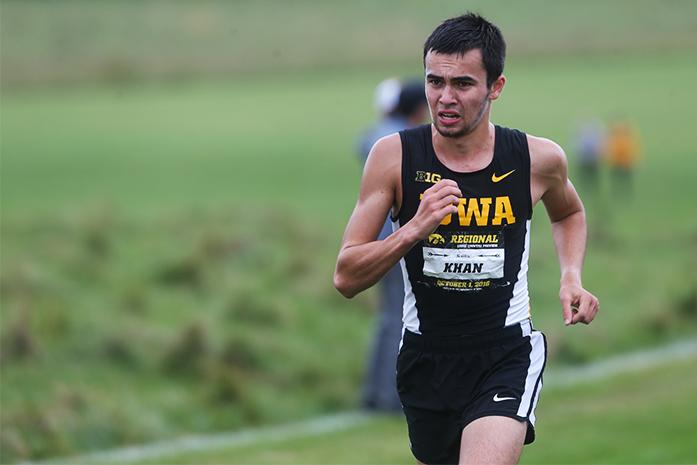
[[386, 152], [548, 165], [383, 167], [546, 156], [380, 191]]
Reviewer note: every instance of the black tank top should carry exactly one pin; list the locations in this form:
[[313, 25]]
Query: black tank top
[[470, 275]]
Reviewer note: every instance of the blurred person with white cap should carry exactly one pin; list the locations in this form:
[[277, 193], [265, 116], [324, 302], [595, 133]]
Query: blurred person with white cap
[[401, 105], [387, 96]]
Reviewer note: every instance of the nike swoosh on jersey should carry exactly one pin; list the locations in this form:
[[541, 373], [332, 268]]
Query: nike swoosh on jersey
[[495, 178], [501, 399]]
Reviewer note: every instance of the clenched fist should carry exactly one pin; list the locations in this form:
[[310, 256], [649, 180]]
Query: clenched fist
[[437, 202]]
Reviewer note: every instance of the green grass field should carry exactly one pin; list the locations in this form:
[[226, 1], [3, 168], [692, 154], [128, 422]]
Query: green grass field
[[77, 41], [167, 248], [145, 223], [645, 417]]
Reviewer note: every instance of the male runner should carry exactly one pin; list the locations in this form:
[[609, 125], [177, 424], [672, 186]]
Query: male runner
[[461, 190]]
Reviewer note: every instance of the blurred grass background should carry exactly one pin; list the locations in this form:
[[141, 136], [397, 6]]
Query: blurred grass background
[[176, 177], [650, 416]]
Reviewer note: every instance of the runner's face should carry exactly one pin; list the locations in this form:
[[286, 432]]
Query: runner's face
[[458, 97]]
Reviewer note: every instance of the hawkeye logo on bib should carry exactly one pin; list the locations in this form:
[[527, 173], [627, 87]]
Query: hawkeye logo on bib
[[436, 239]]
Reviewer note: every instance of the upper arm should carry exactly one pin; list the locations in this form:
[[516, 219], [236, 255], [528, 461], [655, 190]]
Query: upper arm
[[380, 191], [549, 179]]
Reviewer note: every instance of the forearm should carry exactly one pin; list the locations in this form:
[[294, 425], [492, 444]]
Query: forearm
[[362, 262], [569, 236], [358, 267]]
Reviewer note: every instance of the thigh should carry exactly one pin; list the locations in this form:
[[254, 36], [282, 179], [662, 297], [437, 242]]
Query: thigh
[[434, 436], [512, 387], [492, 440], [434, 430]]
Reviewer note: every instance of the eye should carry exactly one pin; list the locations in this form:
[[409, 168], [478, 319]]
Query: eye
[[434, 81]]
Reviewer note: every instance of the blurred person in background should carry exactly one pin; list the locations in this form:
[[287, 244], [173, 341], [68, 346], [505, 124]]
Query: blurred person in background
[[623, 152], [461, 191], [589, 145], [401, 106]]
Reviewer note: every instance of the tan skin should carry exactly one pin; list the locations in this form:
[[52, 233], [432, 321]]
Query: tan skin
[[459, 101]]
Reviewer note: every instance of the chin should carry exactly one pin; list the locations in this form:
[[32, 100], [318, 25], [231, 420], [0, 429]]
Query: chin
[[450, 132]]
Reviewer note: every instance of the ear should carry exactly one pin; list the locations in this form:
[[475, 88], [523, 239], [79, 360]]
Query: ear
[[497, 87]]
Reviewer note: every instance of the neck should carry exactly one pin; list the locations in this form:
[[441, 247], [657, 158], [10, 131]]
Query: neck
[[468, 146]]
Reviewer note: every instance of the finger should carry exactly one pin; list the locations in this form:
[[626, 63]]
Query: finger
[[594, 307], [447, 209], [444, 189], [447, 190], [440, 214], [443, 183], [580, 312], [567, 312], [448, 200], [430, 194], [584, 310]]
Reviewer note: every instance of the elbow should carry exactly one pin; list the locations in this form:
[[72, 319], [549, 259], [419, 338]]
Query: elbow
[[576, 215], [344, 286]]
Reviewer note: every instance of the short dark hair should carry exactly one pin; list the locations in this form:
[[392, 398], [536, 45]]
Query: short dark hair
[[468, 32]]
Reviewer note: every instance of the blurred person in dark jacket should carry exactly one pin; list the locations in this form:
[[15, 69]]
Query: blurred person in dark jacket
[[402, 106]]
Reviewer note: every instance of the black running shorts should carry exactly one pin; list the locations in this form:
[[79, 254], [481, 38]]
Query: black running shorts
[[444, 384]]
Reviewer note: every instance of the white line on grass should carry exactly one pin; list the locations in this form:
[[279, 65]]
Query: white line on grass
[[607, 368], [619, 364], [167, 448]]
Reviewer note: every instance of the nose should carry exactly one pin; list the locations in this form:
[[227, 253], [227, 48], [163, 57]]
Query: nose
[[447, 96]]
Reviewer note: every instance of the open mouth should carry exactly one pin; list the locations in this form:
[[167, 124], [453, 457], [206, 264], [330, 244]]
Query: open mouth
[[448, 117]]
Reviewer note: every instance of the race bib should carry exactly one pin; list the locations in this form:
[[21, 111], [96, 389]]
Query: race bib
[[464, 261]]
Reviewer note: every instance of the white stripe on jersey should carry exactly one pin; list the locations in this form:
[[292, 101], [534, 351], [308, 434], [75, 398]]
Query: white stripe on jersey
[[533, 380], [410, 317], [531, 418], [519, 305]]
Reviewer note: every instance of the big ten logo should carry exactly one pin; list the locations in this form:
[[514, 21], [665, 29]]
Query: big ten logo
[[436, 239], [426, 176]]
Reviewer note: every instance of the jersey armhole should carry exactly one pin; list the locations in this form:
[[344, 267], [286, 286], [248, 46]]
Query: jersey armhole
[[402, 138], [525, 159]]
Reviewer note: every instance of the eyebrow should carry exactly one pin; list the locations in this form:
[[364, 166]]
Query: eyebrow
[[463, 79]]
